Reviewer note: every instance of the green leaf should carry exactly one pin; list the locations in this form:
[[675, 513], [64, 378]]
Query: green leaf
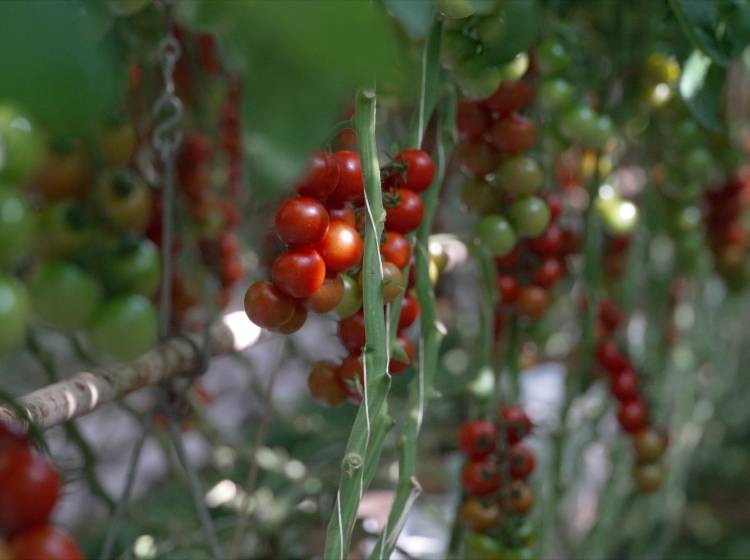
[[700, 21], [304, 61], [414, 16], [701, 86], [53, 64]]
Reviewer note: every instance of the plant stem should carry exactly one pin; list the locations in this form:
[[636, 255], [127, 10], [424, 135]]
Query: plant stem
[[362, 449]]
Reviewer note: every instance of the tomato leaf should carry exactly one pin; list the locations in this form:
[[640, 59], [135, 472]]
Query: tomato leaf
[[57, 41], [700, 20], [701, 86]]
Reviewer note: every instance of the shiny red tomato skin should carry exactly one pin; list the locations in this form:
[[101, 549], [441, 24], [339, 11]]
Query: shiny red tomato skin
[[515, 422], [513, 134], [477, 439], [420, 170], [549, 272], [609, 316], [396, 366], [341, 247], [44, 542], [395, 248], [409, 312], [549, 244], [632, 416], [301, 221], [296, 321], [349, 372], [480, 478], [299, 273], [507, 262], [532, 302], [342, 213], [624, 386], [610, 357], [508, 287], [522, 462], [267, 306], [472, 120], [352, 332], [321, 176], [327, 297], [509, 97], [406, 214], [324, 385], [351, 187], [30, 489]]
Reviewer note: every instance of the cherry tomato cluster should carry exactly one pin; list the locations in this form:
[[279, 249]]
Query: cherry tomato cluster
[[29, 490], [497, 495], [632, 415], [318, 271], [728, 237]]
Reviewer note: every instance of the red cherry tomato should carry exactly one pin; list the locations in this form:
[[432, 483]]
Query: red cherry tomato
[[409, 312], [419, 172], [477, 158], [47, 542], [406, 213], [480, 478], [351, 187], [549, 244], [343, 213], [513, 134], [520, 498], [632, 416], [395, 248], [508, 287], [321, 176], [30, 489], [532, 302], [554, 204], [625, 386], [510, 260], [324, 385], [477, 439], [328, 295], [341, 247], [509, 97], [301, 221], [296, 321], [352, 332], [472, 120], [609, 316], [522, 462], [515, 422], [349, 372], [610, 358], [396, 366], [299, 273], [267, 306], [549, 272]]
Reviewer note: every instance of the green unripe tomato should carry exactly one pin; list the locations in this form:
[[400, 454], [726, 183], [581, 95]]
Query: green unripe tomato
[[556, 94], [619, 217], [509, 31], [699, 164], [476, 80], [530, 216], [495, 234], [21, 145], [124, 327], [63, 295], [456, 9], [688, 219], [516, 68], [603, 131], [552, 57], [519, 176], [483, 547], [63, 230], [133, 266], [479, 196], [577, 124], [16, 225], [351, 302], [456, 48], [14, 313]]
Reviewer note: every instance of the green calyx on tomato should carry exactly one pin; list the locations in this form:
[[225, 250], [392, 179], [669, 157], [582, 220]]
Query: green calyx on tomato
[[63, 295], [124, 327], [14, 313]]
